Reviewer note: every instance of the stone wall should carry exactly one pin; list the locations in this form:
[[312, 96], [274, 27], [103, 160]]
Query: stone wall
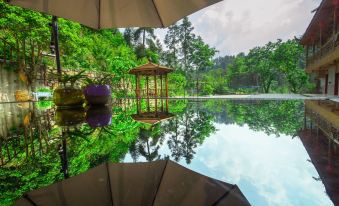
[[10, 82], [12, 116]]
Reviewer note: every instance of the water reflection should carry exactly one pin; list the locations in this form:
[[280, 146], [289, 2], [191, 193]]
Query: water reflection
[[320, 137], [235, 141]]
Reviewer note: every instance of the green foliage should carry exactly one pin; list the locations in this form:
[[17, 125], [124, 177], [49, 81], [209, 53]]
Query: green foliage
[[44, 89], [271, 117], [215, 82], [99, 80], [42, 105], [177, 83], [270, 66]]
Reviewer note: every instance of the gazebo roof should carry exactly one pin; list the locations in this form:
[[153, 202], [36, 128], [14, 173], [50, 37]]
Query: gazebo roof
[[150, 69], [152, 117]]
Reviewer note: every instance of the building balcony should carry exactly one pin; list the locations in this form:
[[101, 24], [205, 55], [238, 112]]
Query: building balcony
[[324, 56]]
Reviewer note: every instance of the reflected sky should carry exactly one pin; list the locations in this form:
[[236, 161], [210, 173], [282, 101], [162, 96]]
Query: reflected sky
[[269, 170]]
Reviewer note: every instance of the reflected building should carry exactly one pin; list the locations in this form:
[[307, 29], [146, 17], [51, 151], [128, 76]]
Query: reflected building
[[320, 138]]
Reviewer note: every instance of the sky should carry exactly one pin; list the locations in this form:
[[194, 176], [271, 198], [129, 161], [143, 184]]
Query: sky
[[269, 170], [234, 26]]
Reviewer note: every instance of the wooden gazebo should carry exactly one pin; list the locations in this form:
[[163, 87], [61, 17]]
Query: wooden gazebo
[[156, 77]]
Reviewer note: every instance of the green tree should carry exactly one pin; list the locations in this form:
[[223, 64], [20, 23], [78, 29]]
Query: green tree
[[201, 58], [171, 41], [291, 58], [186, 42]]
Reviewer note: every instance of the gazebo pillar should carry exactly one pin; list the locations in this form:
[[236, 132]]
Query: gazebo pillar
[[166, 82], [147, 93], [156, 93], [137, 89], [161, 93]]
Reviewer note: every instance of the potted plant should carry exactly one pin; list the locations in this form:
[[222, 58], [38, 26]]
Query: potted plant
[[69, 95], [70, 117], [98, 91], [99, 116]]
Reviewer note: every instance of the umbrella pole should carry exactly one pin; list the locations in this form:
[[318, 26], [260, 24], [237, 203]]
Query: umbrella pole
[[63, 157], [56, 44], [65, 162]]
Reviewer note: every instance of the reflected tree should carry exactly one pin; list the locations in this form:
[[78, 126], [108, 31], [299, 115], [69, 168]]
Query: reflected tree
[[271, 117], [150, 138], [187, 132]]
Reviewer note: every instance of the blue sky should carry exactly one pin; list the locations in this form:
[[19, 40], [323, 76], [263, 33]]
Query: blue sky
[[269, 170], [234, 26]]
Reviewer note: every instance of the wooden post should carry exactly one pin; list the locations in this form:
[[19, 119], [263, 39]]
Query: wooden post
[[161, 93], [137, 86], [147, 93], [156, 93], [166, 82]]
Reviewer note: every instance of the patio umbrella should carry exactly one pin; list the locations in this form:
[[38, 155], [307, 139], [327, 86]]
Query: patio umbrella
[[162, 183], [100, 14]]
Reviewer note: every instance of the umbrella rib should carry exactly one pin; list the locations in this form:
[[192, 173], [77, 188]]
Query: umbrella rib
[[109, 183], [156, 8], [30, 200], [99, 15], [162, 175], [223, 196]]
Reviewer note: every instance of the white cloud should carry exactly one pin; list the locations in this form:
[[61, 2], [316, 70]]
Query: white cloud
[[234, 26], [276, 167]]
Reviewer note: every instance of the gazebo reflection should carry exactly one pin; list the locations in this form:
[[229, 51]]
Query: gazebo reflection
[[153, 113]]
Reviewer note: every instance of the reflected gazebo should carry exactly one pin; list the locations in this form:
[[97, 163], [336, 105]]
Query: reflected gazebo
[[156, 111]]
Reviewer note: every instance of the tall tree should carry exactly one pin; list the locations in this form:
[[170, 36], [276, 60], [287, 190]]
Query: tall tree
[[144, 34], [186, 42], [291, 59], [172, 40], [201, 58]]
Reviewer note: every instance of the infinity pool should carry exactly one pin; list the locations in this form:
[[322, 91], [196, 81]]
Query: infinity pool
[[277, 152]]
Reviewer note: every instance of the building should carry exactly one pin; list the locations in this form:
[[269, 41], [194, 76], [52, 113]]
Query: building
[[321, 43]]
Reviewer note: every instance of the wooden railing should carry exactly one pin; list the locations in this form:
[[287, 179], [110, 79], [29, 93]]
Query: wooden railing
[[151, 93], [327, 48]]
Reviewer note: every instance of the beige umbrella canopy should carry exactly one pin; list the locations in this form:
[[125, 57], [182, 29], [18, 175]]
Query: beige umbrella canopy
[[160, 183], [100, 14]]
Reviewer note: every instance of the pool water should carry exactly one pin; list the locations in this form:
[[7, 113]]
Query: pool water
[[277, 152]]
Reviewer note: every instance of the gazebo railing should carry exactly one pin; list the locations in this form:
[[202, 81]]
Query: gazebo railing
[[151, 93]]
